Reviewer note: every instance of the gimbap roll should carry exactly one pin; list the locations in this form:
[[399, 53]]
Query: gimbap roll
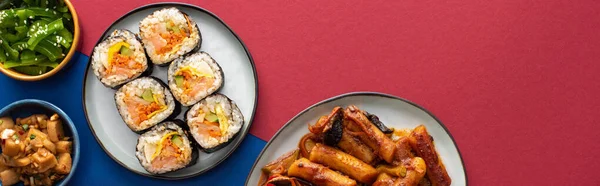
[[214, 122], [194, 77], [119, 58], [165, 148], [144, 102], [168, 34]]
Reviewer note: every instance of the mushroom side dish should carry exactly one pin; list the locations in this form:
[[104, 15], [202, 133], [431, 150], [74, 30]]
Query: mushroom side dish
[[35, 150], [353, 147]]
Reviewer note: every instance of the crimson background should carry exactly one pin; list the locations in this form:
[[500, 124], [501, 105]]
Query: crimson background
[[516, 82]]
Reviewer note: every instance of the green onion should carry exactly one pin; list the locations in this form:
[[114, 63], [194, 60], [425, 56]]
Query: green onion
[[29, 2], [44, 32], [22, 29], [2, 54], [12, 53], [37, 25], [32, 70], [62, 9], [49, 49], [27, 54], [25, 127], [32, 136], [24, 14], [67, 16], [43, 3], [66, 35], [62, 41]]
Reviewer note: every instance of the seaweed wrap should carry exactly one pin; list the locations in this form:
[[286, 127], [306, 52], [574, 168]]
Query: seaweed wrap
[[165, 148], [214, 122], [194, 77], [119, 59], [168, 34], [145, 102]]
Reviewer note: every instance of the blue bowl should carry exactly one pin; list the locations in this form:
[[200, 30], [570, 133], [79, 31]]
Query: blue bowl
[[27, 107]]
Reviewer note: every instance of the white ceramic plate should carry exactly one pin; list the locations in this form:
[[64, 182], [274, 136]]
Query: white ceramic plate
[[393, 111], [241, 85]]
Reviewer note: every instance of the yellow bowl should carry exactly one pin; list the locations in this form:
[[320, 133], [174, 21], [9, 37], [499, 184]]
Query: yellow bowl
[[24, 77]]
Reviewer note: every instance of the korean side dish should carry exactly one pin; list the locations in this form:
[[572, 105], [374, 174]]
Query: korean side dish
[[353, 147], [34, 35], [35, 150], [167, 38]]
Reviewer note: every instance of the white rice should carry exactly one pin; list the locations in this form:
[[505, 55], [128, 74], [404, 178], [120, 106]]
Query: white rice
[[232, 112], [153, 137], [195, 61], [100, 58], [137, 87], [180, 20]]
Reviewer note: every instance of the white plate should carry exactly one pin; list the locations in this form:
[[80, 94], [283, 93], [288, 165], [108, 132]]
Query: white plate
[[118, 141], [393, 111]]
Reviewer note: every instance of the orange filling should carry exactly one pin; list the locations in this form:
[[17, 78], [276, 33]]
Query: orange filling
[[192, 83], [141, 110], [173, 39], [145, 111], [212, 129], [120, 64], [170, 149], [168, 155], [187, 83]]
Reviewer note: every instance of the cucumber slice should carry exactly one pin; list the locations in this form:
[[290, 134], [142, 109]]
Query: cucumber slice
[[176, 139], [147, 95], [212, 117], [126, 51], [172, 28], [32, 70], [175, 29], [179, 81]]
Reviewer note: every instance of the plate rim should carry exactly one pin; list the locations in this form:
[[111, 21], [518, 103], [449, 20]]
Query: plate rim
[[244, 132], [359, 93]]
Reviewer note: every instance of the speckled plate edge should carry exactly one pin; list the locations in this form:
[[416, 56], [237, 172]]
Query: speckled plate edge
[[356, 94], [244, 132]]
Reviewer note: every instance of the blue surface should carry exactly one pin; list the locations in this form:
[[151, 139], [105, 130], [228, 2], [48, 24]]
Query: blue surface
[[95, 166]]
